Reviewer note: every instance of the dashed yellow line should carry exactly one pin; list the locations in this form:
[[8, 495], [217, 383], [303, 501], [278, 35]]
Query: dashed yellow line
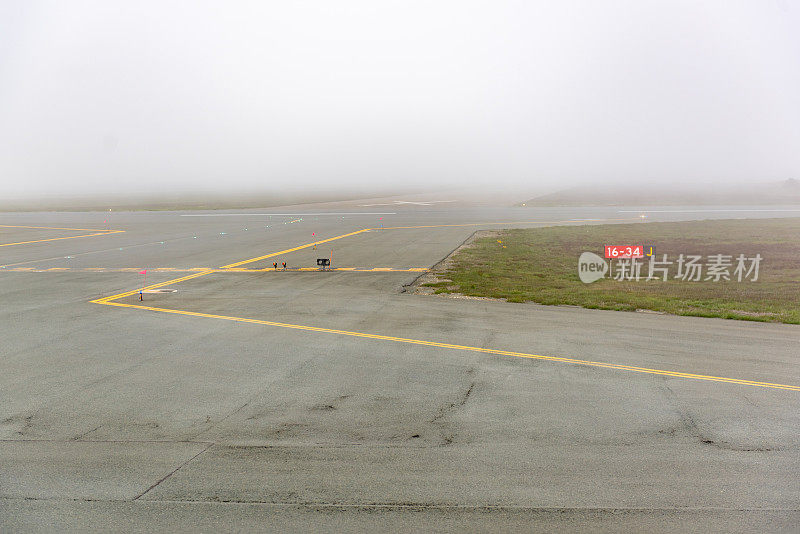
[[204, 272], [574, 361], [197, 269]]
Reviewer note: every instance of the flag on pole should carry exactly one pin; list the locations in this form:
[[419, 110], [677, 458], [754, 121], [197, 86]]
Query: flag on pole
[[144, 283]]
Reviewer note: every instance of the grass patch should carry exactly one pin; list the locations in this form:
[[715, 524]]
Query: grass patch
[[541, 265]]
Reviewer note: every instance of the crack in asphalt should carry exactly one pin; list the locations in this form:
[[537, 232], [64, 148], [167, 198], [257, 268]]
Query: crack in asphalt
[[690, 427], [448, 438]]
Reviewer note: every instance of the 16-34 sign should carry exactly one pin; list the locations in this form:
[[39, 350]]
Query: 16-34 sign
[[628, 251]]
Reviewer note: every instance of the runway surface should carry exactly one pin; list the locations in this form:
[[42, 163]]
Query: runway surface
[[256, 399]]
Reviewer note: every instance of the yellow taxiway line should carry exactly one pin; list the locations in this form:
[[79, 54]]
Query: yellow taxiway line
[[204, 272], [106, 300], [58, 228], [95, 230], [265, 256], [574, 361]]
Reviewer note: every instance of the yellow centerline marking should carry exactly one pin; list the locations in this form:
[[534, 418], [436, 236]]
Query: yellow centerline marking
[[95, 230], [203, 272], [574, 361], [58, 228], [106, 300], [265, 256], [59, 238]]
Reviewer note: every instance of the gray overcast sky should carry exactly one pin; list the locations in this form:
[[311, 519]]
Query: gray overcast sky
[[127, 96]]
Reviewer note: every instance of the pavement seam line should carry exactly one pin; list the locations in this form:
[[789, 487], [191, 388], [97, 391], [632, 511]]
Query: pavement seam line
[[324, 504], [172, 472], [401, 506]]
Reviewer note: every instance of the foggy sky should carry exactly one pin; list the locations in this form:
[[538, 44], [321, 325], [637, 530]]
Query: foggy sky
[[127, 96]]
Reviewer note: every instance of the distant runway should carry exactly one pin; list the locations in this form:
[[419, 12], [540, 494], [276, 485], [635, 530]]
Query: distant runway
[[311, 397], [721, 210], [287, 214]]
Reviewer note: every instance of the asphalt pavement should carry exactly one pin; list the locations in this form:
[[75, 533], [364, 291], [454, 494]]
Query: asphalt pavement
[[299, 399]]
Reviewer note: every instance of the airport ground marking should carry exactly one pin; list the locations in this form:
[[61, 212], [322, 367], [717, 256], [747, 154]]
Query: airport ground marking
[[57, 228], [204, 272], [307, 245], [506, 222], [95, 232], [290, 214], [214, 270], [574, 361], [109, 301]]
